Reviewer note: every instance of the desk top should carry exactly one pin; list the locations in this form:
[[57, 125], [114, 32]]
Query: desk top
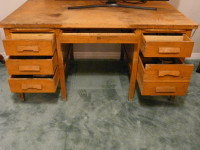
[[54, 14]]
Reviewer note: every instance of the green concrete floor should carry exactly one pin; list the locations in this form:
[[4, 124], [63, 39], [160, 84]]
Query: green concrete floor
[[97, 115]]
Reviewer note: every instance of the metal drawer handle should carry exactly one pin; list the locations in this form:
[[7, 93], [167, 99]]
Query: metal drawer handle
[[169, 50], [28, 48], [29, 68], [166, 89], [169, 73], [31, 86]]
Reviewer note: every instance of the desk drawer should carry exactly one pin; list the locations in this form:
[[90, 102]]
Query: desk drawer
[[32, 65], [31, 84], [98, 38], [30, 44], [166, 46], [177, 72], [163, 79], [164, 89]]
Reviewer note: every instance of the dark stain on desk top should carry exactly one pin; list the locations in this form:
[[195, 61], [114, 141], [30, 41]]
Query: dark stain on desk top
[[55, 15]]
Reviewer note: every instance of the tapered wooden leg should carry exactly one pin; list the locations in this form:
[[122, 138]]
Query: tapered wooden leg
[[172, 98], [22, 97], [133, 74], [198, 69], [72, 53], [122, 53], [2, 59], [61, 67]]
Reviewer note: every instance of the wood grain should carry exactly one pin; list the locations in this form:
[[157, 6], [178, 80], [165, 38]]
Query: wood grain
[[133, 73], [169, 50], [164, 89], [165, 72], [168, 73], [32, 66], [31, 86], [54, 14], [34, 85], [163, 79], [98, 38], [30, 45], [22, 97], [50, 16], [166, 46], [61, 65], [29, 68]]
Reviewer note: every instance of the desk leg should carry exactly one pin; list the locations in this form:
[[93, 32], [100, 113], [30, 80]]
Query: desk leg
[[61, 70], [198, 69], [172, 98], [72, 52], [21, 96], [122, 53], [133, 74]]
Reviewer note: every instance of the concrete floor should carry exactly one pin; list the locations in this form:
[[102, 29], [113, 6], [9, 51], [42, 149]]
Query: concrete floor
[[97, 115]]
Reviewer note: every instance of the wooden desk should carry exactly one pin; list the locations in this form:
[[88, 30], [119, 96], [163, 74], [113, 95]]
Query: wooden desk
[[39, 28]]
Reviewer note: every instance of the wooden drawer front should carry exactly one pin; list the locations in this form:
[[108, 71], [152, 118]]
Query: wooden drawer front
[[166, 46], [98, 38], [165, 72], [30, 45], [163, 79], [34, 85], [32, 66], [158, 88]]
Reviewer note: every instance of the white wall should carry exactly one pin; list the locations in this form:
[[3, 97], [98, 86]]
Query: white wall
[[7, 7], [189, 8]]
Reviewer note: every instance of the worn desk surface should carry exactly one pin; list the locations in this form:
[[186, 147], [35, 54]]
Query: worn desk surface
[[54, 14], [36, 14]]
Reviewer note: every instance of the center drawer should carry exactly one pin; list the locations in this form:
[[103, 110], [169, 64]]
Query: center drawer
[[29, 44], [128, 38], [163, 79], [40, 65], [166, 46], [34, 84]]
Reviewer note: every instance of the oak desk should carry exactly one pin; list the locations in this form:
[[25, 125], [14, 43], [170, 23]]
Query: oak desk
[[36, 31]]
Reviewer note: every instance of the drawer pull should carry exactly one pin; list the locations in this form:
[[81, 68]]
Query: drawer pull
[[31, 86], [28, 48], [169, 50], [165, 89], [29, 68], [169, 73]]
